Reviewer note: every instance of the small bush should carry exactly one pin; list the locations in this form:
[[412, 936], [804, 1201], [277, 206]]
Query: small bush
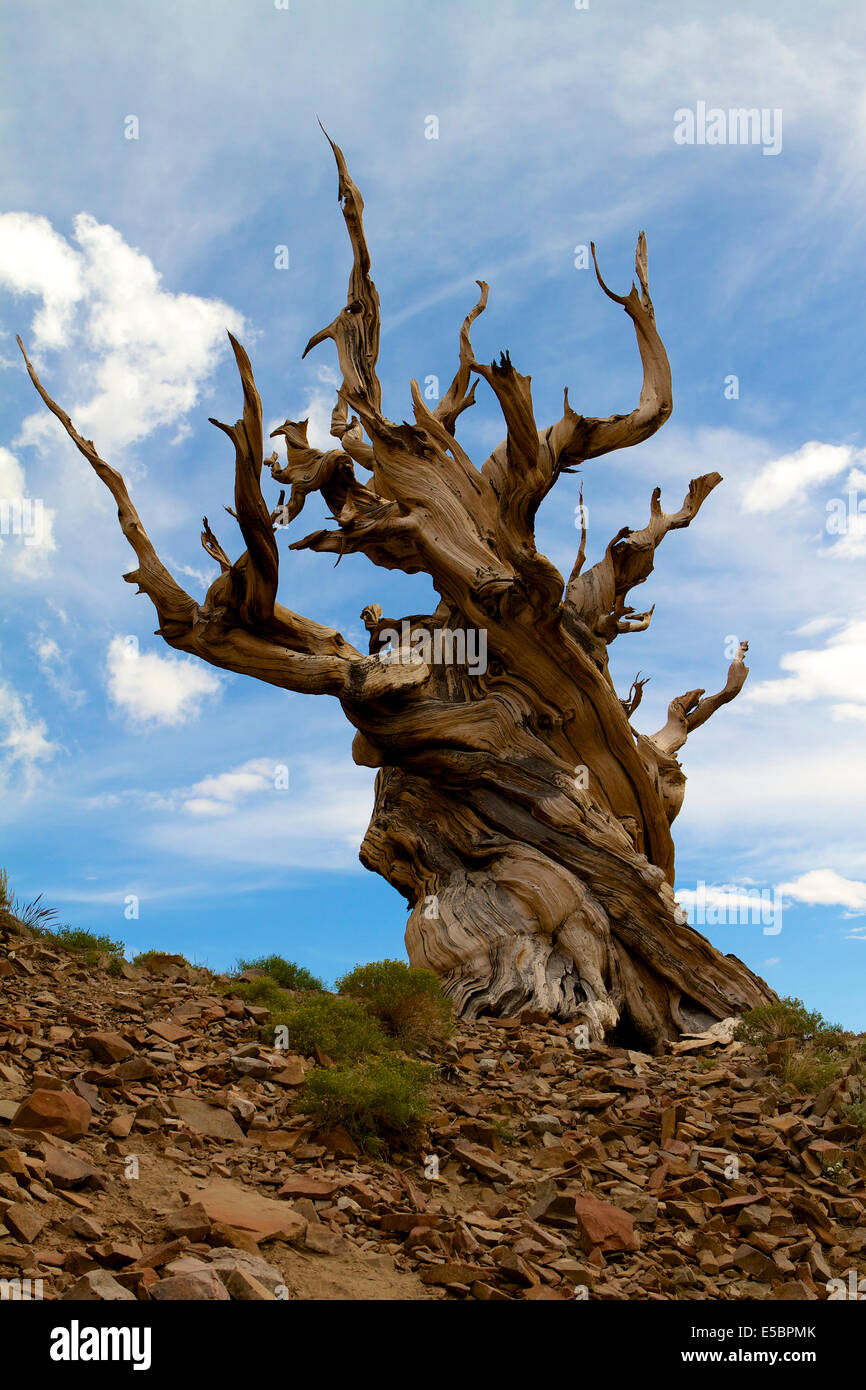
[[342, 1028], [789, 1018], [286, 973], [380, 1101], [152, 957], [262, 991], [408, 1003], [811, 1069], [85, 944], [856, 1114]]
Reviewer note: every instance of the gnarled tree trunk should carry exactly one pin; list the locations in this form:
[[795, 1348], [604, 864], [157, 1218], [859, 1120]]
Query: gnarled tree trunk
[[524, 819]]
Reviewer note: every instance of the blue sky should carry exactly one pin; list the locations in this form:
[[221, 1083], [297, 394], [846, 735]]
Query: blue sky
[[129, 771]]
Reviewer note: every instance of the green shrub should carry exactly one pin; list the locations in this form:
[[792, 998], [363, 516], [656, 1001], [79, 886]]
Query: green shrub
[[262, 991], [789, 1018], [153, 957], [380, 1101], [85, 944], [342, 1028], [408, 1003], [286, 973], [856, 1114], [810, 1069]]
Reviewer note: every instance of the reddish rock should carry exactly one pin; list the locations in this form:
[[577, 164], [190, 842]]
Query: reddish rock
[[107, 1047], [192, 1222], [64, 1170], [24, 1221], [482, 1159], [170, 1032], [230, 1238], [235, 1205], [603, 1225], [303, 1186], [54, 1112], [245, 1287], [338, 1141]]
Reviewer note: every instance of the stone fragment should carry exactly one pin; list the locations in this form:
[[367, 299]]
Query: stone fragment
[[54, 1112], [196, 1286], [107, 1047], [304, 1186], [245, 1287], [65, 1170], [482, 1159], [209, 1120], [95, 1286], [603, 1225], [169, 1032], [235, 1205], [24, 1221], [228, 1262]]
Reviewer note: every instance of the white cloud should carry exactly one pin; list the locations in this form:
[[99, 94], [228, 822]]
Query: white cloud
[[34, 259], [787, 478], [826, 888], [318, 820], [816, 626], [149, 688], [23, 737], [835, 672], [149, 353], [219, 794]]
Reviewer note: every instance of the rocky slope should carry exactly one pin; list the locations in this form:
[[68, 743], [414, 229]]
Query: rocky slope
[[151, 1148]]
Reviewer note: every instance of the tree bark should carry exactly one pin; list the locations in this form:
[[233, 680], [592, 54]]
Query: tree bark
[[524, 819]]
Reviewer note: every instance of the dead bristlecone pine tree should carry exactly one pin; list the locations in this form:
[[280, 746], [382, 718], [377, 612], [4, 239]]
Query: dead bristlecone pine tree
[[517, 810]]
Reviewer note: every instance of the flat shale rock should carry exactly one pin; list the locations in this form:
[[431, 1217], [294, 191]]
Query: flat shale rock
[[24, 1221], [206, 1119], [95, 1286], [233, 1205]]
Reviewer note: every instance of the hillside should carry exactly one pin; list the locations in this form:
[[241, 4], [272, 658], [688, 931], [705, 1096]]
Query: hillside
[[179, 1164]]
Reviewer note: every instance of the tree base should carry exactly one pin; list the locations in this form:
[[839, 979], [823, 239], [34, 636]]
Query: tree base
[[506, 926]]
